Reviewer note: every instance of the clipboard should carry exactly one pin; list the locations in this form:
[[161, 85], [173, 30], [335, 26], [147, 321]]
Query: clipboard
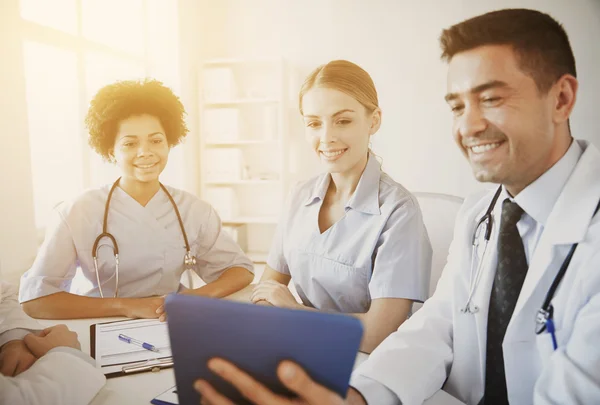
[[153, 364]]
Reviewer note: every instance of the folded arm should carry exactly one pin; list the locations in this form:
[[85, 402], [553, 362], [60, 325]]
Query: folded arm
[[60, 377]]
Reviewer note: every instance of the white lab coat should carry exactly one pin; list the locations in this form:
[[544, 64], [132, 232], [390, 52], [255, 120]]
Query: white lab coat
[[440, 347], [62, 376]]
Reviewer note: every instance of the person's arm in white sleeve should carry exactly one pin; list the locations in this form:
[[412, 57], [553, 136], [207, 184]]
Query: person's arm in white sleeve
[[59, 377], [572, 373], [373, 392]]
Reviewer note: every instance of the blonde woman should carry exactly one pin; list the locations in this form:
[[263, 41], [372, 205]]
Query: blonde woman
[[352, 240]]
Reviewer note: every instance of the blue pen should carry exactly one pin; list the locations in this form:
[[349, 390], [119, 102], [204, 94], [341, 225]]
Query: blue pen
[[552, 331], [133, 341]]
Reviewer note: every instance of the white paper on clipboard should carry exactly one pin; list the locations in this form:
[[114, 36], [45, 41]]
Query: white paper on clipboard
[[112, 354]]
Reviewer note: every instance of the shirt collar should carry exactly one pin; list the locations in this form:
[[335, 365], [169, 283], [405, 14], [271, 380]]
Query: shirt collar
[[320, 189], [538, 198], [366, 196]]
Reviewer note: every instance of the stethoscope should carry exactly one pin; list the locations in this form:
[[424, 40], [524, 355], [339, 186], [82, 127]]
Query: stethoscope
[[189, 260], [545, 315], [487, 221]]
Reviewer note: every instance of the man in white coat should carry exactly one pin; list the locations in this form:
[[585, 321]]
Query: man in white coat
[[511, 87], [41, 366]]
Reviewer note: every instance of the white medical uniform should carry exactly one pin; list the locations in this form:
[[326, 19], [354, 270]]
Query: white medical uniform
[[150, 241], [63, 376], [378, 249], [441, 347]]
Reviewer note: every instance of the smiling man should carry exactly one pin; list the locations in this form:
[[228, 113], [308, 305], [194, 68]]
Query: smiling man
[[512, 87]]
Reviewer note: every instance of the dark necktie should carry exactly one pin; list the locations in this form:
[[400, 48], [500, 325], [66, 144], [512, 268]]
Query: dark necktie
[[510, 274]]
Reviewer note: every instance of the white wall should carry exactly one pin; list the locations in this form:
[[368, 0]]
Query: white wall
[[396, 42]]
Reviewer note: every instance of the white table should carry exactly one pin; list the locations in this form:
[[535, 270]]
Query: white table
[[133, 389], [141, 388]]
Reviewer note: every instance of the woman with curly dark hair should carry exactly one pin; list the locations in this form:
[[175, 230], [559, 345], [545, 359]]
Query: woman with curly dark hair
[[132, 239]]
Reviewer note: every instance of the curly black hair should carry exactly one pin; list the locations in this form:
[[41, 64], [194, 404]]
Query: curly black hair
[[123, 99]]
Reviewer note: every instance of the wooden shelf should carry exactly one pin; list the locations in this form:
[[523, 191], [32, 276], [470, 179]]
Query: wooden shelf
[[243, 183], [241, 143], [250, 220], [240, 102]]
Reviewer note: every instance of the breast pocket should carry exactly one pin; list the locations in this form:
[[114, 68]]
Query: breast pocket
[[331, 285]]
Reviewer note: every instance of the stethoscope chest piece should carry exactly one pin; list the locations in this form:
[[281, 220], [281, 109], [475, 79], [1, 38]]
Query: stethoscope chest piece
[[189, 260]]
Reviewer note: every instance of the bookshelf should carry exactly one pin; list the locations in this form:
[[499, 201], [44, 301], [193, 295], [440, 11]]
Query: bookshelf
[[244, 147]]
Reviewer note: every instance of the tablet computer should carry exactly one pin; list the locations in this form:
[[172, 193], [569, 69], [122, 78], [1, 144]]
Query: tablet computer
[[256, 339]]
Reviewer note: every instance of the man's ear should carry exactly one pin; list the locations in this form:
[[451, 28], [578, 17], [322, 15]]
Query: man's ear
[[565, 90]]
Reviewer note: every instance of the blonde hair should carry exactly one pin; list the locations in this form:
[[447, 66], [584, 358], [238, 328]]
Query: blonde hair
[[344, 76]]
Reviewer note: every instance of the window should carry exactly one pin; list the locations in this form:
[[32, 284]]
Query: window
[[52, 93], [116, 23], [58, 14]]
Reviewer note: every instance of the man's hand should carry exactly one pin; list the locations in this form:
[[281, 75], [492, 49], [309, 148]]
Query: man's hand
[[55, 336], [15, 358], [290, 374]]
